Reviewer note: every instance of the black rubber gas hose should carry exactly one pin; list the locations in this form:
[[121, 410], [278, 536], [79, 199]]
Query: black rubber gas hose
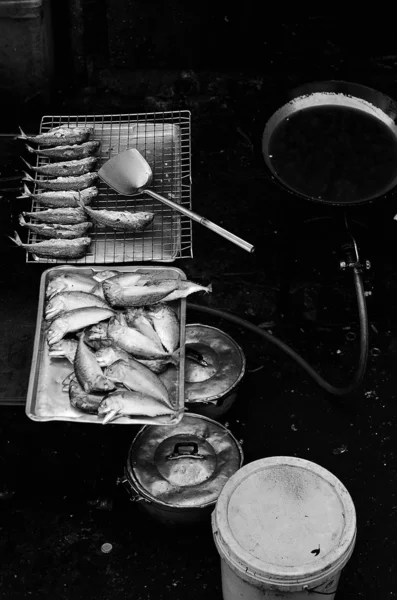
[[328, 387]]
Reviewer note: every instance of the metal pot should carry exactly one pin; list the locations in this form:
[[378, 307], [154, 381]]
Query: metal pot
[[176, 473], [212, 389]]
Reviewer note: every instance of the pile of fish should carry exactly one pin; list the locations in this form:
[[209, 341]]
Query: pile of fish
[[119, 332], [67, 191]]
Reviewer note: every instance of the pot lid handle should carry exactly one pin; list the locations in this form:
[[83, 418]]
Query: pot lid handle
[[184, 449]]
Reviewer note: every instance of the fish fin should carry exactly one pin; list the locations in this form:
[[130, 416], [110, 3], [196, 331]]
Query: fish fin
[[26, 162], [17, 240], [27, 177], [26, 192], [111, 416], [22, 135]]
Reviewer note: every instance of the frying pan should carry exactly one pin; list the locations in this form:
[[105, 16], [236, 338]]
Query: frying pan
[[333, 142]]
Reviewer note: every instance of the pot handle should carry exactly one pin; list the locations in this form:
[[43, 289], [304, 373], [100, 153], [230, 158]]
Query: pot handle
[[133, 494], [184, 449]]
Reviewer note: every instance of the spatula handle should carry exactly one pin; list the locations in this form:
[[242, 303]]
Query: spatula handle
[[203, 221]]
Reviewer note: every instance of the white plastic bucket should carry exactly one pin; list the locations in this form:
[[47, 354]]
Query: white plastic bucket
[[284, 527]]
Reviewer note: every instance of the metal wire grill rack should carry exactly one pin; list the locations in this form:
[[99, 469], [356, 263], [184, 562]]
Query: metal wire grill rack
[[163, 138]]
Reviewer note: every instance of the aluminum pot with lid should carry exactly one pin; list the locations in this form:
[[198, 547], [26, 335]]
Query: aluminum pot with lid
[[176, 473], [211, 387]]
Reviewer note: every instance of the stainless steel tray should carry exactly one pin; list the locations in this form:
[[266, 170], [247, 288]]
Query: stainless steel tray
[[45, 399], [164, 140]]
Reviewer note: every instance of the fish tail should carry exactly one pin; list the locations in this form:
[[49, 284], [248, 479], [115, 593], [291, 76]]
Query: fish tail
[[27, 177], [26, 192], [26, 163], [22, 221], [17, 240], [208, 289], [22, 135], [110, 416]]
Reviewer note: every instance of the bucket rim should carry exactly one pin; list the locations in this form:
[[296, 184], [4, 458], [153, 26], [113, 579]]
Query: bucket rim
[[258, 570]]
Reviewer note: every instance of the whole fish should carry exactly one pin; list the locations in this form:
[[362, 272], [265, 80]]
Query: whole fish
[[106, 356], [119, 220], [73, 152], [61, 216], [186, 288], [59, 231], [59, 136], [66, 168], [88, 403], [132, 341], [136, 317], [61, 198], [55, 248], [106, 274], [123, 403], [137, 378], [65, 301], [88, 372], [69, 282], [74, 183], [65, 348], [74, 320], [137, 295], [166, 325]]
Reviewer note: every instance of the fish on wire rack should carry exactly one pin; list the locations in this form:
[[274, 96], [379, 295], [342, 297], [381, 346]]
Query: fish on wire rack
[[62, 135], [73, 183], [119, 220], [60, 216], [55, 248], [61, 198], [73, 152], [57, 230], [65, 168]]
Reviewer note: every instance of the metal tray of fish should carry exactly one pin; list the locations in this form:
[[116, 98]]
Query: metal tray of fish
[[164, 140], [46, 401]]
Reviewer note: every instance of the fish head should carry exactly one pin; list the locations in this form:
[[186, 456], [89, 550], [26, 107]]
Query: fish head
[[105, 356], [57, 330], [55, 286], [54, 306], [109, 409], [116, 370]]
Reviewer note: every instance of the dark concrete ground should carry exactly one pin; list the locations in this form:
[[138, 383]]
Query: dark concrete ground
[[58, 495]]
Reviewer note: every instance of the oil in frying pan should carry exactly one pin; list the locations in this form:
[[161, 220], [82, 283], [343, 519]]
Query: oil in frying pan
[[334, 153]]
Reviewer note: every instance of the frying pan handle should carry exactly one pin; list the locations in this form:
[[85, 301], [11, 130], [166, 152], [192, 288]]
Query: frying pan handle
[[203, 221]]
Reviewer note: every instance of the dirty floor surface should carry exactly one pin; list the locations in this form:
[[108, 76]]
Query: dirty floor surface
[[58, 494]]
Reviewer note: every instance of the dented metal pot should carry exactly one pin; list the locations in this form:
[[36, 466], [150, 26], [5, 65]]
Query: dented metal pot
[[176, 473]]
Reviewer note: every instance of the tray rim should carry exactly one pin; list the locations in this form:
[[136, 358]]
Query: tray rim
[[37, 338]]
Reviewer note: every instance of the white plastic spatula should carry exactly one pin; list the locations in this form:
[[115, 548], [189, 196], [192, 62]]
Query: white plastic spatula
[[128, 173]]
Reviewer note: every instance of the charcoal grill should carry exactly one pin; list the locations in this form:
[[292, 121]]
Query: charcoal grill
[[163, 138]]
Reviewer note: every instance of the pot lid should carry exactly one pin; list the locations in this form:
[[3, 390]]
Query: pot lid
[[284, 518], [224, 364], [185, 465]]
